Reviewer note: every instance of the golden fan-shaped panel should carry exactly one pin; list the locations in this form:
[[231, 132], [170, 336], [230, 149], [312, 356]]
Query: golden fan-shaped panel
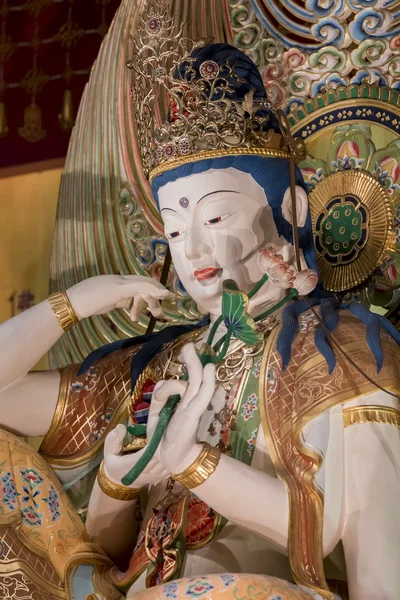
[[352, 218]]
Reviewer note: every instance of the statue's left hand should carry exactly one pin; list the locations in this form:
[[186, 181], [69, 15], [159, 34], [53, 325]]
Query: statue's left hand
[[179, 446]]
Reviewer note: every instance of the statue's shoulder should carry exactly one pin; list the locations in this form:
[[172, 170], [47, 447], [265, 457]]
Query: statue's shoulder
[[89, 405], [317, 373]]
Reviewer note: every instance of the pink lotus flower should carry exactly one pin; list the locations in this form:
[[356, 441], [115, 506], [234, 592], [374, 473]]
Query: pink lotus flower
[[280, 273], [273, 265], [305, 281]]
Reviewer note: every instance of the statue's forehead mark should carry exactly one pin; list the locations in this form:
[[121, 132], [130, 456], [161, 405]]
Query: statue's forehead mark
[[184, 202]]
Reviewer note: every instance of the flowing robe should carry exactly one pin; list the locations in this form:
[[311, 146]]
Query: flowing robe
[[304, 412]]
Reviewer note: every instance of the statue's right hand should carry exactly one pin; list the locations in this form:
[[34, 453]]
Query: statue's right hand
[[116, 466], [101, 294]]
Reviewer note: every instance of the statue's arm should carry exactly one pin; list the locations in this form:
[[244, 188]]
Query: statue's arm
[[24, 340], [27, 337], [111, 524], [371, 529], [28, 400], [247, 497], [110, 521]]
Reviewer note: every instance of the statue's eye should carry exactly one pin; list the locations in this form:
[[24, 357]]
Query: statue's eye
[[173, 234], [216, 220]]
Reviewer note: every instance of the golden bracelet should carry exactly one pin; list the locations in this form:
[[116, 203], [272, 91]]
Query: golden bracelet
[[114, 490], [201, 469], [61, 307]]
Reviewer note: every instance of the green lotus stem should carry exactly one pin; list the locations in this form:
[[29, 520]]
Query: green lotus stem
[[163, 420], [258, 286], [227, 338], [137, 430], [218, 345], [252, 293], [214, 329], [292, 294]]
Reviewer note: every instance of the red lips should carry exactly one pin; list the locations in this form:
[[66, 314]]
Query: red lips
[[206, 273]]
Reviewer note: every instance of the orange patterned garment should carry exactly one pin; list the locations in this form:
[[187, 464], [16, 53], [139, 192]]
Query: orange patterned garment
[[89, 406]]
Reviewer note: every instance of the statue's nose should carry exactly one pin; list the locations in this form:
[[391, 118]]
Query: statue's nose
[[197, 245]]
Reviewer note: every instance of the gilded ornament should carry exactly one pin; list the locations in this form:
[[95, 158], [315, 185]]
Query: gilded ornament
[[7, 48], [356, 119], [69, 34], [32, 130], [66, 117], [3, 121], [201, 469], [115, 490], [200, 119], [62, 308], [357, 415], [34, 81], [352, 217]]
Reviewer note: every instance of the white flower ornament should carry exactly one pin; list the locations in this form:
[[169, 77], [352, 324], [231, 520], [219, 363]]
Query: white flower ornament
[[281, 274]]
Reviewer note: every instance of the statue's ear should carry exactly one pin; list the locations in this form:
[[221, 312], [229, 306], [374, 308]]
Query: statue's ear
[[301, 206]]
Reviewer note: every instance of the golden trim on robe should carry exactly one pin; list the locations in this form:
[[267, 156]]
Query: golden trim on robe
[[292, 398], [357, 415]]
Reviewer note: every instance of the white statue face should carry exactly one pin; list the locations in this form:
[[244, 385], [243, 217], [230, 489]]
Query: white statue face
[[215, 223]]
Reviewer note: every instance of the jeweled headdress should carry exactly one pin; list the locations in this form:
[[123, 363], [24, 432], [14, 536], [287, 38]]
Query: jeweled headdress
[[186, 109]]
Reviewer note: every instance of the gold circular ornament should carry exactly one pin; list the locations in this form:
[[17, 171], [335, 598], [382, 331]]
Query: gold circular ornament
[[352, 218]]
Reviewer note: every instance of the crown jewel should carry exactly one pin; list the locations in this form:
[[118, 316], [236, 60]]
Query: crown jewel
[[185, 111]]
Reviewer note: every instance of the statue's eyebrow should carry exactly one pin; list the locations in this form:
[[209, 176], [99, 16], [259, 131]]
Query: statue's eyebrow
[[217, 192], [202, 198]]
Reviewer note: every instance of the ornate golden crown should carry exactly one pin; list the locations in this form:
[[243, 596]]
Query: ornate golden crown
[[185, 112]]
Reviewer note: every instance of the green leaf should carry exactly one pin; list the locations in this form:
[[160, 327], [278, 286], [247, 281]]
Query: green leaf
[[234, 312]]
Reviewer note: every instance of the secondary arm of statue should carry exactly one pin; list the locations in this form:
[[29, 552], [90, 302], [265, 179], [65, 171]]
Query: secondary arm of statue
[[28, 400], [109, 521]]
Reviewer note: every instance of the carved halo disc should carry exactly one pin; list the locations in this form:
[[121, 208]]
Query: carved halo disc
[[351, 215]]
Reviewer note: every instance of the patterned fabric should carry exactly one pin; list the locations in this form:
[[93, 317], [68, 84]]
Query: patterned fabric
[[227, 586], [29, 574], [248, 417], [294, 397], [88, 407], [180, 522], [40, 531]]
